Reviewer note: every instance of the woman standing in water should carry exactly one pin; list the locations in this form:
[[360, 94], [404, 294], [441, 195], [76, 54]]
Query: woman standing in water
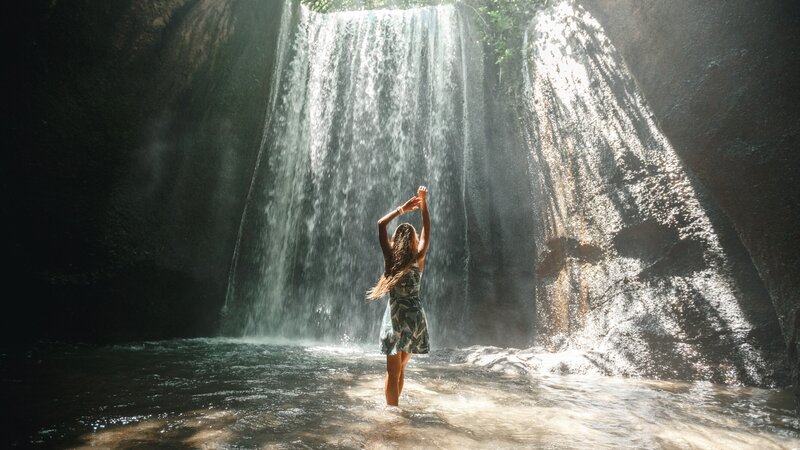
[[404, 330]]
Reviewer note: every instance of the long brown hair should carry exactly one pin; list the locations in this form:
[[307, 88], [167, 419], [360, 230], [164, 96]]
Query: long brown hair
[[403, 257]]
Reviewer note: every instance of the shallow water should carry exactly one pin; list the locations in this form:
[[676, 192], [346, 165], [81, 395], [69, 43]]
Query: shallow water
[[222, 393]]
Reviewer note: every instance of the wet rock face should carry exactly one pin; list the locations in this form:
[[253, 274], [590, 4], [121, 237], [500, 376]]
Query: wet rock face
[[554, 259], [636, 264], [134, 129], [662, 251], [723, 81]]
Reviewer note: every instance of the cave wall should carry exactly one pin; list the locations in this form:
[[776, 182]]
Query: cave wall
[[134, 127], [723, 81]]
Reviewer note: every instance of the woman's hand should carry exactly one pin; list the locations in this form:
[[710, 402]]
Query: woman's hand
[[422, 194], [411, 204]]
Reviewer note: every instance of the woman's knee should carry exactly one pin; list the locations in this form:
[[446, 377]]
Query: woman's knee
[[394, 366]]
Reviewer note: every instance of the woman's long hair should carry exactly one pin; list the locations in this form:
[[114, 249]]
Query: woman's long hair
[[403, 257]]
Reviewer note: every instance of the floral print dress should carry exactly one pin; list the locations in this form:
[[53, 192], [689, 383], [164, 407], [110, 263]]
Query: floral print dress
[[404, 327]]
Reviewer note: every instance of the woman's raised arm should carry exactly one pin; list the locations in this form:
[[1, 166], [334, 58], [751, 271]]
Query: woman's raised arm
[[383, 237], [425, 234]]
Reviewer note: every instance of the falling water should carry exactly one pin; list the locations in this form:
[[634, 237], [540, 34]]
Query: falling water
[[370, 105], [631, 274]]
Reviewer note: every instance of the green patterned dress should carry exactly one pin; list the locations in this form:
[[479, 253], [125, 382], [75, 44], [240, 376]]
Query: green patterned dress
[[405, 328]]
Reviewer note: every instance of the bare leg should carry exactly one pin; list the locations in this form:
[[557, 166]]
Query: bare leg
[[394, 368], [404, 357]]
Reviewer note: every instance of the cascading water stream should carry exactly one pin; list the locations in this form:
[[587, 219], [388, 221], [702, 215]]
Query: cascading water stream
[[370, 105]]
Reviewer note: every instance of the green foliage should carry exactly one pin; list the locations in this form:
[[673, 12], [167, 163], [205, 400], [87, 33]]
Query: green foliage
[[504, 20], [352, 5]]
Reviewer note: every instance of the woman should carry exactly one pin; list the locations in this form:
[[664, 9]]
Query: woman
[[404, 330]]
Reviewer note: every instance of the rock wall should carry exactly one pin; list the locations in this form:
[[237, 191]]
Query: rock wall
[[636, 269], [134, 126], [723, 79]]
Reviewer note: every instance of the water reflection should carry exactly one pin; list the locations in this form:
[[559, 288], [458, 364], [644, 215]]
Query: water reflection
[[226, 393]]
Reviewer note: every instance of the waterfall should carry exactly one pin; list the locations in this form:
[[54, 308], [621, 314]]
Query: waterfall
[[604, 231], [630, 268], [369, 105]]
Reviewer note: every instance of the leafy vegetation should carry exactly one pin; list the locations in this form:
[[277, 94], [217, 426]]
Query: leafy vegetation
[[504, 20], [324, 6]]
